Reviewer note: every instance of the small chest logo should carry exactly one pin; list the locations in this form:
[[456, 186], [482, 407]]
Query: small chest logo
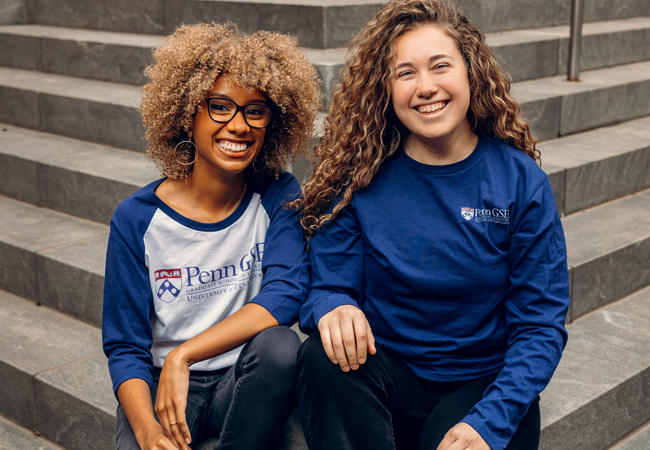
[[467, 213], [168, 284]]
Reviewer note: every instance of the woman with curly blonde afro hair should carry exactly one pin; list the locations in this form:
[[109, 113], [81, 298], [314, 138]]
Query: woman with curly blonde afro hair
[[439, 284], [207, 267]]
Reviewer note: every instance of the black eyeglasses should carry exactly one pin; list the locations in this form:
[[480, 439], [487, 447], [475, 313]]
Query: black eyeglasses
[[222, 110]]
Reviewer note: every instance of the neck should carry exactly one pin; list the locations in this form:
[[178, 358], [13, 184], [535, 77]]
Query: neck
[[214, 199], [442, 151], [215, 192]]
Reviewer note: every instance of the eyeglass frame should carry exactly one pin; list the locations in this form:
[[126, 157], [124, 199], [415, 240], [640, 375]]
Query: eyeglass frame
[[238, 108]]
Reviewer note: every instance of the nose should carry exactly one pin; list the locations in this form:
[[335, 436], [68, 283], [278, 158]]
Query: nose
[[427, 86], [237, 124]]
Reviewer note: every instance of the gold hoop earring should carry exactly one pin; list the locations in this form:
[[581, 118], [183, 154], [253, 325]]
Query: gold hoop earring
[[259, 171], [187, 151]]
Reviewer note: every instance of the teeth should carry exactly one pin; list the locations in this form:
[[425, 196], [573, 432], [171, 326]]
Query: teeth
[[431, 108], [231, 146]]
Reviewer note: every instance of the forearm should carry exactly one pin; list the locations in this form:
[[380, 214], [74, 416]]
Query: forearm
[[135, 397], [226, 335]]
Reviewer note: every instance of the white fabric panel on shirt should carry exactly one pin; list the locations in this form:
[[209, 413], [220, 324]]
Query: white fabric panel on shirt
[[199, 278]]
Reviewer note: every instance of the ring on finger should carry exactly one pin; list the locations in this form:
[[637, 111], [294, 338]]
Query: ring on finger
[[172, 423]]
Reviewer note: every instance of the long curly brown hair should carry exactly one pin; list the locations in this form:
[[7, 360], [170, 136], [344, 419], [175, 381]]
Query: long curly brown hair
[[185, 68], [361, 129]]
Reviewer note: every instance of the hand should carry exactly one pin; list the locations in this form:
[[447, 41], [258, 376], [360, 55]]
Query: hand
[[346, 337], [463, 437], [171, 399], [156, 440]]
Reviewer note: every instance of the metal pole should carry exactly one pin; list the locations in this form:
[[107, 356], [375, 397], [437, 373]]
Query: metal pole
[[575, 40]]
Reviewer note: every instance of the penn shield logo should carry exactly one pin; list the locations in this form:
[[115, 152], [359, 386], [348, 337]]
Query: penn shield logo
[[467, 213], [168, 284]]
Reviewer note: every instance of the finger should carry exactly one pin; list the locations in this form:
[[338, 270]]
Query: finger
[[179, 425], [167, 418], [372, 348], [350, 342], [177, 436], [326, 340], [446, 442], [187, 436], [183, 429], [339, 349], [361, 335]]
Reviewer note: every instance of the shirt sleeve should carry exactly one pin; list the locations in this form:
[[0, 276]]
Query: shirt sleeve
[[536, 305], [128, 303], [285, 263], [336, 253]]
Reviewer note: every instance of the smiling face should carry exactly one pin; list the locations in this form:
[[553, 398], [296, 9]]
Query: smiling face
[[430, 95], [226, 149]]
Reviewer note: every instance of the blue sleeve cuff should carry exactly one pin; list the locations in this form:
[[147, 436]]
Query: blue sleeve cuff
[[309, 317], [493, 441]]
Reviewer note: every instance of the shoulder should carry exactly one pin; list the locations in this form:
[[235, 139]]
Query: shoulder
[[275, 193], [514, 160], [137, 209], [511, 166]]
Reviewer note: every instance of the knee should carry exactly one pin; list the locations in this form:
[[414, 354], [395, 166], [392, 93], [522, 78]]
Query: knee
[[274, 349], [313, 366]]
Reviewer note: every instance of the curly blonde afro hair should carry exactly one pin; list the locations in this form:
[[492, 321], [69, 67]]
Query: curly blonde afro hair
[[185, 68]]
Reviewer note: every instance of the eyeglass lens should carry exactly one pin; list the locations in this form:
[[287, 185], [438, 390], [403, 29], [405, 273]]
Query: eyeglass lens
[[222, 110]]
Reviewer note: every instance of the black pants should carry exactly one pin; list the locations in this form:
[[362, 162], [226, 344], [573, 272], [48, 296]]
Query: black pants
[[384, 406]]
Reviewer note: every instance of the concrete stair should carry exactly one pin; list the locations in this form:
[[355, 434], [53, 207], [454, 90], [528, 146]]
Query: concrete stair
[[71, 106], [121, 57], [639, 439], [71, 144]]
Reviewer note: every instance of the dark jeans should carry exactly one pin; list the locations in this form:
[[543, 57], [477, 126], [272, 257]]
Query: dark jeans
[[384, 406], [247, 405]]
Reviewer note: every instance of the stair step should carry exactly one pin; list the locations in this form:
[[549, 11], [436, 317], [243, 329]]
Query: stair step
[[76, 177], [326, 24], [608, 248], [99, 55], [637, 440], [90, 180], [600, 389], [54, 376], [536, 52], [106, 112], [53, 258], [14, 436], [59, 260], [96, 111], [122, 57], [556, 107], [597, 166], [55, 379], [543, 52]]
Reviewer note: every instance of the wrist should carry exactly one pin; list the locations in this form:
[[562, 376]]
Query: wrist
[[143, 433], [178, 357]]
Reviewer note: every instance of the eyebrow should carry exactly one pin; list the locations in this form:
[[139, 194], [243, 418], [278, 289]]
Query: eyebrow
[[224, 96], [432, 58]]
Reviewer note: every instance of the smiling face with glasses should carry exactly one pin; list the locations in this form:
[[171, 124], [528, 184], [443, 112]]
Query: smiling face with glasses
[[229, 128], [223, 110]]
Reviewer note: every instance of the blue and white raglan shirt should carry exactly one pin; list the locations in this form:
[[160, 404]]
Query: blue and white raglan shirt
[[168, 278], [461, 271]]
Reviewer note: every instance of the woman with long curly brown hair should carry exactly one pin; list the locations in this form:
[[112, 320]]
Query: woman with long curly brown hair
[[439, 284], [204, 264]]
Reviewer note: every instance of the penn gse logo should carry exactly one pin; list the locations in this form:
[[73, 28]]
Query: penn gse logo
[[467, 213], [168, 284], [494, 215]]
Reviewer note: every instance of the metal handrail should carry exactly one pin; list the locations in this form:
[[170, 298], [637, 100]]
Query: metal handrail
[[575, 40]]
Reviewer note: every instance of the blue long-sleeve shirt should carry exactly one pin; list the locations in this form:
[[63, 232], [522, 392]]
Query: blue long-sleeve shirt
[[168, 278], [461, 272]]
